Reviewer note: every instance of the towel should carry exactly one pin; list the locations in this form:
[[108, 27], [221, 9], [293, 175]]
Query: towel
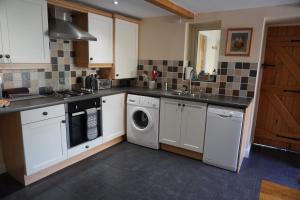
[[91, 121]]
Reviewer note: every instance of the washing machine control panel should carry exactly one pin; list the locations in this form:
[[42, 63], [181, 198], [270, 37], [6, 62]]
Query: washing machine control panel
[[149, 102], [143, 101]]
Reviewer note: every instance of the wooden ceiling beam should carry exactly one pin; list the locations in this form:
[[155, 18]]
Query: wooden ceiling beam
[[173, 7]]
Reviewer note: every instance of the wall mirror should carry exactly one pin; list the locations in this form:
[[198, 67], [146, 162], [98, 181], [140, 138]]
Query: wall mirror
[[204, 46]]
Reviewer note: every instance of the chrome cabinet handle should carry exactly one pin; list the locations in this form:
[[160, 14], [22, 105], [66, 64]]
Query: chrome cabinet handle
[[224, 116]]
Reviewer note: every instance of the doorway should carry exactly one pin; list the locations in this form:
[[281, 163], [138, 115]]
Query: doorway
[[278, 117]]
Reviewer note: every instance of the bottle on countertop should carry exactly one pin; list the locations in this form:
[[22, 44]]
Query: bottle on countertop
[[166, 86]]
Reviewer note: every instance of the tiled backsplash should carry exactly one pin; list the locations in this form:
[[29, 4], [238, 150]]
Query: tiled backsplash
[[233, 79], [61, 75]]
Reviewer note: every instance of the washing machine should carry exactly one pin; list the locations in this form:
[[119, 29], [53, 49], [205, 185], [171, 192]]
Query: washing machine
[[143, 120]]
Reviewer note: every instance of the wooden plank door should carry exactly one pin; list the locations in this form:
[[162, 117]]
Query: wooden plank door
[[278, 120]]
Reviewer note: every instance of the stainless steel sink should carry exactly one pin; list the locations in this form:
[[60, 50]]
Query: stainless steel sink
[[184, 93], [192, 95]]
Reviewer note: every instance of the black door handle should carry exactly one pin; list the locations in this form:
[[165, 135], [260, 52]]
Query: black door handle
[[63, 121], [103, 101], [268, 65], [45, 113], [7, 56], [293, 91], [295, 40], [117, 75], [91, 58], [1, 56]]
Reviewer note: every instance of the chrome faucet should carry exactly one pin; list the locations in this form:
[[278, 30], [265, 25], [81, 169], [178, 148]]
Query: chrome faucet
[[191, 78]]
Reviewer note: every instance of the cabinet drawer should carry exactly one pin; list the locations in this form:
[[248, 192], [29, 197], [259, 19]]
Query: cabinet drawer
[[40, 114], [84, 147]]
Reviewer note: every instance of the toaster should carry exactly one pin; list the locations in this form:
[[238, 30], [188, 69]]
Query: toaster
[[104, 84]]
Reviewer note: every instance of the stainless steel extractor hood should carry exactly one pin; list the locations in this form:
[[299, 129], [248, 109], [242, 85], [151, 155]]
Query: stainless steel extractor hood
[[61, 27]]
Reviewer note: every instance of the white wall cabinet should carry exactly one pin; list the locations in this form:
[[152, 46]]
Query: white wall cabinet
[[1, 46], [24, 26], [126, 49], [113, 116], [100, 51], [188, 121], [44, 140]]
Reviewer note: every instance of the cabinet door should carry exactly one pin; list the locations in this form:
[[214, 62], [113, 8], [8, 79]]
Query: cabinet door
[[2, 22], [170, 122], [1, 49], [126, 49], [26, 31], [113, 116], [193, 126], [44, 144], [101, 51]]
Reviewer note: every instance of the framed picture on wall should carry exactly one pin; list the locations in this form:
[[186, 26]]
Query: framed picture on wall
[[238, 42]]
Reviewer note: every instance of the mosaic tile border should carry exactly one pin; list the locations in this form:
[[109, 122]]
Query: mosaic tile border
[[233, 78]]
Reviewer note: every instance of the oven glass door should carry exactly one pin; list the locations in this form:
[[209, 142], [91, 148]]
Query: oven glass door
[[78, 128]]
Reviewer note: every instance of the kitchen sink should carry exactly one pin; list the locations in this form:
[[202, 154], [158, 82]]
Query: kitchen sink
[[187, 94]]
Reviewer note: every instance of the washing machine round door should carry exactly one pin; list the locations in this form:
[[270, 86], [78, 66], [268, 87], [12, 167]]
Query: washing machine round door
[[141, 119]]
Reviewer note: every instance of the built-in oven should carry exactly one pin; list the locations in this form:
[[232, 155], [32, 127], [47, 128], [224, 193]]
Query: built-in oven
[[76, 117]]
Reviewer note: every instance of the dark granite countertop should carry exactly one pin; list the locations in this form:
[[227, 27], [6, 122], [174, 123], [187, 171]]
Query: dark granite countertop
[[236, 102]]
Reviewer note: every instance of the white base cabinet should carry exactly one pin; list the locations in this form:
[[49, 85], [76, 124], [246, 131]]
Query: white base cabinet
[[44, 140], [113, 116], [44, 144], [182, 124]]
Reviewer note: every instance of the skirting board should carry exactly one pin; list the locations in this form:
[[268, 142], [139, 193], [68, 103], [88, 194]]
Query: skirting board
[[46, 172], [180, 151]]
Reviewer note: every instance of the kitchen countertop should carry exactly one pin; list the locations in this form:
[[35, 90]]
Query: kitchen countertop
[[236, 102]]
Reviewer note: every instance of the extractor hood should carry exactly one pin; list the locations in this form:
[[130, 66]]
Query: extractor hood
[[61, 27]]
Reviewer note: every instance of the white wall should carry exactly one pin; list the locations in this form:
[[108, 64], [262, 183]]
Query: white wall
[[161, 38]]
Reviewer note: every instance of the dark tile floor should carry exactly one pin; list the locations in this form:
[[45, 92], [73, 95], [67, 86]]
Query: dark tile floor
[[127, 171]]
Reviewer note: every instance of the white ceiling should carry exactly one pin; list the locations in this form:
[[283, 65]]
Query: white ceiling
[[219, 5], [135, 8], [143, 9]]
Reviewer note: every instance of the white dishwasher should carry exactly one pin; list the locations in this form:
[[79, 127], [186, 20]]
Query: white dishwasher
[[222, 137]]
